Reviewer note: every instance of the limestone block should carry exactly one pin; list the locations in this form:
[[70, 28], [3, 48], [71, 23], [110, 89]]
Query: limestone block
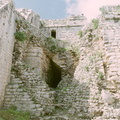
[[107, 97], [109, 16]]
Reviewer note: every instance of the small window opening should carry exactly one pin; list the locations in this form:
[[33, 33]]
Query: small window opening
[[53, 33]]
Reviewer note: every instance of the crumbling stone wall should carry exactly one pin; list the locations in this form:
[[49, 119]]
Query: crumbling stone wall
[[98, 66], [31, 63], [88, 91], [28, 75], [66, 29], [93, 91], [111, 39]]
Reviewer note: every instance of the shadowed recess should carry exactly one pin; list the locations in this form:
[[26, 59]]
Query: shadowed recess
[[53, 33], [54, 75]]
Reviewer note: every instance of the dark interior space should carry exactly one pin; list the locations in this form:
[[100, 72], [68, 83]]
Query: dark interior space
[[53, 75], [53, 33]]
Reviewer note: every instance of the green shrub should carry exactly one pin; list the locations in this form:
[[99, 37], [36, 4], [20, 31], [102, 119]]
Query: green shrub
[[53, 45], [100, 75], [20, 36], [95, 23], [12, 114], [80, 33]]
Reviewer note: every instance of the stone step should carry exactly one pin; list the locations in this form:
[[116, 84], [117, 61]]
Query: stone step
[[14, 86], [62, 58], [21, 85], [63, 66], [16, 82]]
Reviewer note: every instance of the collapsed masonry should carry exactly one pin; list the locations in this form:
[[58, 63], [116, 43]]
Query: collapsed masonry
[[56, 73]]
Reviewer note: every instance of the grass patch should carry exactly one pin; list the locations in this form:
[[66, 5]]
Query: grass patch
[[13, 114]]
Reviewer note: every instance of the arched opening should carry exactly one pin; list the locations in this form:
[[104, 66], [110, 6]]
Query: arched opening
[[53, 33], [53, 75]]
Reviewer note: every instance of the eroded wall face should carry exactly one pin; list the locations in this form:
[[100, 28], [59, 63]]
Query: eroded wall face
[[91, 93], [37, 60], [112, 62], [6, 44], [28, 74], [99, 68], [68, 33], [28, 81]]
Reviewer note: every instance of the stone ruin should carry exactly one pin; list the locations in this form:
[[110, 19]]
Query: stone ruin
[[56, 73]]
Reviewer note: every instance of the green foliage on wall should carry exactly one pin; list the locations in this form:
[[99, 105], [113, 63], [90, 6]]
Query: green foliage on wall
[[100, 75], [80, 33], [20, 36], [118, 8], [95, 23], [54, 45], [102, 10]]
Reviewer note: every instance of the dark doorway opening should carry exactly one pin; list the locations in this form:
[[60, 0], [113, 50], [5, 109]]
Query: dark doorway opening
[[53, 33], [53, 75]]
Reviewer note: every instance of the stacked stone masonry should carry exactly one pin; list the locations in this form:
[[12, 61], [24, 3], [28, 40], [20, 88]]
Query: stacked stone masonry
[[66, 29], [68, 77]]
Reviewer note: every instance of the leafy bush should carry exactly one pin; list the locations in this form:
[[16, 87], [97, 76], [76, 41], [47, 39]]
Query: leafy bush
[[20, 36], [53, 45], [13, 114], [95, 23]]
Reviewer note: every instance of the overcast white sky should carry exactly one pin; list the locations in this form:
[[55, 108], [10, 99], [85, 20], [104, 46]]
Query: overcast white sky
[[89, 8], [55, 9]]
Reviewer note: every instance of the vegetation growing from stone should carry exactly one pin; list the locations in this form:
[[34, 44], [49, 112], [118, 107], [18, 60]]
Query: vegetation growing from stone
[[102, 10], [54, 45], [100, 75], [20, 23], [95, 23], [80, 33], [14, 114], [87, 68], [20, 36], [118, 8]]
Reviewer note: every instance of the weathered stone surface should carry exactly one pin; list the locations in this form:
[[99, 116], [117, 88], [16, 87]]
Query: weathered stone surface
[[74, 78], [7, 25], [30, 16], [107, 97], [66, 29]]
